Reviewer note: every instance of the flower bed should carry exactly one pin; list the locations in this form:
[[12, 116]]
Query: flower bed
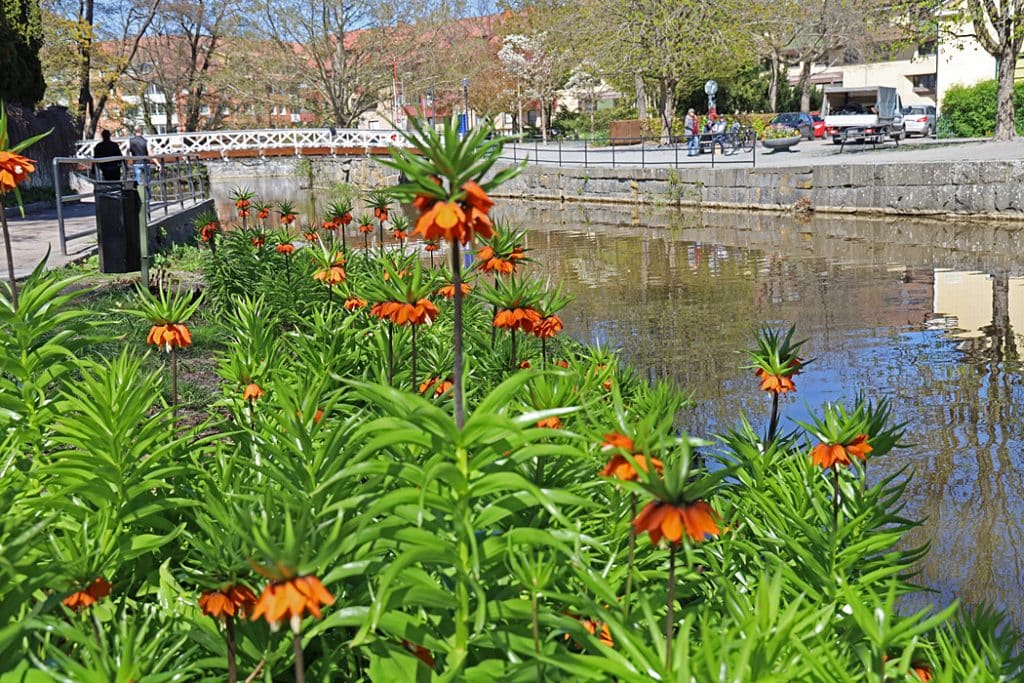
[[409, 472]]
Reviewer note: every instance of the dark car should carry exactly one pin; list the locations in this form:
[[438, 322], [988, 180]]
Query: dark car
[[798, 120]]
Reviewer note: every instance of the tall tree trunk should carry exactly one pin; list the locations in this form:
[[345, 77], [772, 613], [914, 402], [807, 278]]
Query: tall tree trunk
[[805, 86], [666, 107], [85, 15], [543, 122], [641, 98], [773, 84], [1005, 124]]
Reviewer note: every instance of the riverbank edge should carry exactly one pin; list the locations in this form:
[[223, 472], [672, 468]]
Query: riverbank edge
[[989, 190]]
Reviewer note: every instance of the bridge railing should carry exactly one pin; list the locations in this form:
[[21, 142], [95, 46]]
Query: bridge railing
[[170, 180], [258, 142]]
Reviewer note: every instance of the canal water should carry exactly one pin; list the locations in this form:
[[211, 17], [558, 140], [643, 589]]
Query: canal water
[[929, 314]]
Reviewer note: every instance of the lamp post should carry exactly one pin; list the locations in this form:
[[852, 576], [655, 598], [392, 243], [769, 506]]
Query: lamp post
[[430, 98], [465, 101]]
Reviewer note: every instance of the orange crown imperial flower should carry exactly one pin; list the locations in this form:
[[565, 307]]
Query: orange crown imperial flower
[[548, 327], [517, 319], [499, 265], [550, 423], [476, 198], [285, 248], [448, 291], [252, 392], [14, 170], [400, 313], [287, 219], [258, 242], [233, 601], [170, 336], [443, 220], [830, 455], [345, 218], [79, 600], [353, 303], [292, 598], [670, 521], [485, 254], [311, 236], [440, 386], [330, 276], [619, 466], [399, 234], [365, 227], [380, 213], [263, 213]]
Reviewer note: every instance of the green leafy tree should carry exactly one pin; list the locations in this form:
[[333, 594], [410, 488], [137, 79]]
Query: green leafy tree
[[21, 34], [673, 45]]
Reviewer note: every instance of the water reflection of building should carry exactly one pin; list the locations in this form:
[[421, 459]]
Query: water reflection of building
[[985, 307]]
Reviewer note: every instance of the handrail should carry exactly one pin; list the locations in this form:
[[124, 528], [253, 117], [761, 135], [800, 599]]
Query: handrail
[[634, 152], [179, 177], [260, 140]]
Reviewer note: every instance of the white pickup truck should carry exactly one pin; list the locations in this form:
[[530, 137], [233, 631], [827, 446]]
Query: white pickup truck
[[867, 114]]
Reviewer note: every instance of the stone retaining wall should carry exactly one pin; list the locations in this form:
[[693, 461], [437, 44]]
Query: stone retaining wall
[[978, 188]]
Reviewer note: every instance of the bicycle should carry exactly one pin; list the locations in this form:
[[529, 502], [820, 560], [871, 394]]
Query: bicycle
[[740, 139]]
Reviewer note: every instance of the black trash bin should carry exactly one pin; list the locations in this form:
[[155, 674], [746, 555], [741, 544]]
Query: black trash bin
[[117, 228]]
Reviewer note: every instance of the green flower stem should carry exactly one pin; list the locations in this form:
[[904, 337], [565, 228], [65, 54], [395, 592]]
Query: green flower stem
[[670, 619], [380, 232], [460, 417], [536, 634], [462, 608], [835, 499], [630, 559], [300, 665], [10, 258], [229, 627], [775, 418], [391, 354], [512, 364], [414, 382], [174, 379]]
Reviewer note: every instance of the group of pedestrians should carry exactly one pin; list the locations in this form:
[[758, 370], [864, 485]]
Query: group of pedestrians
[[715, 130], [111, 170]]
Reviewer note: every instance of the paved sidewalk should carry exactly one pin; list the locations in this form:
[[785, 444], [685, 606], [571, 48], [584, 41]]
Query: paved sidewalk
[[32, 235]]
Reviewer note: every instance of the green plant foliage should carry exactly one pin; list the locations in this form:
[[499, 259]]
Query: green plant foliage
[[969, 111], [495, 552]]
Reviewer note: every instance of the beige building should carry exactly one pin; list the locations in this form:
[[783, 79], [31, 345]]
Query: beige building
[[921, 74]]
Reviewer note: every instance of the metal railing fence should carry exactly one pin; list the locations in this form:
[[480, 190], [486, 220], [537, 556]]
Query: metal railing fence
[[738, 149], [171, 180], [224, 142]]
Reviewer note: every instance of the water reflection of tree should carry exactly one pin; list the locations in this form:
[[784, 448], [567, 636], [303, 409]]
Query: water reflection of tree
[[970, 490]]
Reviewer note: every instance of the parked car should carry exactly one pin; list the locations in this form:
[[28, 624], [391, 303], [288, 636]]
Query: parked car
[[919, 119], [819, 124], [798, 120]]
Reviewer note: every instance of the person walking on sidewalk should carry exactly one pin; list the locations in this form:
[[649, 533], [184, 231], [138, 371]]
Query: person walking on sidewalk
[[692, 133], [139, 147]]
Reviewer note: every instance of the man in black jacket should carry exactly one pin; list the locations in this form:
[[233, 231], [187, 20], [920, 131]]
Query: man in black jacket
[[110, 170]]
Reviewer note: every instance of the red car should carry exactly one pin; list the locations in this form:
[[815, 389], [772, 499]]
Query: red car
[[819, 124]]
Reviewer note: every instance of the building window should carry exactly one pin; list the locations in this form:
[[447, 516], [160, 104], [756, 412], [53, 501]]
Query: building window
[[927, 49], [153, 90], [924, 82]]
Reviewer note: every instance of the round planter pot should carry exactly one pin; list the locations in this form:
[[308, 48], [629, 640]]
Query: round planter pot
[[781, 143]]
